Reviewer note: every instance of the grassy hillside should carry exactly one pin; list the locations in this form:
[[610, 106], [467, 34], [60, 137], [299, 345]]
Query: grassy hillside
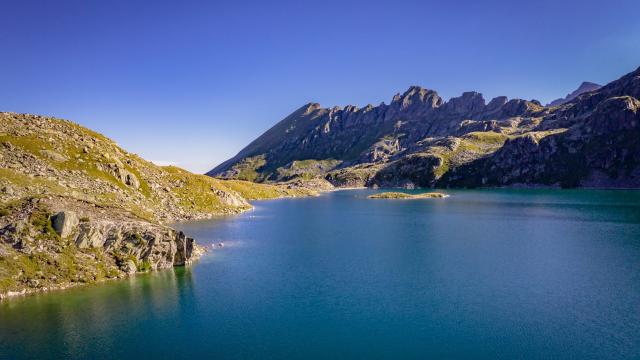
[[48, 156]]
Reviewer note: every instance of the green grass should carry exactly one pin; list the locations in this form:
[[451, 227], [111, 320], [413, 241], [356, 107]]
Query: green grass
[[486, 137], [307, 169], [255, 191], [472, 145], [21, 180], [41, 221], [9, 207], [401, 195], [144, 266], [18, 270], [248, 168], [195, 192]]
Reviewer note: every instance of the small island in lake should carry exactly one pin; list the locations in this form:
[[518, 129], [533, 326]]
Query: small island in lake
[[400, 195]]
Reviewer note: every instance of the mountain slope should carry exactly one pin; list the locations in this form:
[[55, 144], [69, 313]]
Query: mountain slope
[[421, 140]]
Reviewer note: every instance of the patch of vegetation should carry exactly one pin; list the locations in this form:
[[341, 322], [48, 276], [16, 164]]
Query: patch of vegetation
[[120, 257], [471, 146], [486, 137], [24, 181], [248, 168], [195, 192], [66, 264], [10, 207], [306, 169], [19, 270], [144, 266], [136, 239], [41, 220], [7, 283], [401, 195], [32, 144], [255, 191]]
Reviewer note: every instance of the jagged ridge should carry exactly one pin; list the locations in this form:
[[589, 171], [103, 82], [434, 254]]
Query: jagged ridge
[[421, 140]]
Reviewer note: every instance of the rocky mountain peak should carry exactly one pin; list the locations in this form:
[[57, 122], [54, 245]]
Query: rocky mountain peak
[[468, 102], [585, 87], [417, 96], [310, 107], [496, 103]]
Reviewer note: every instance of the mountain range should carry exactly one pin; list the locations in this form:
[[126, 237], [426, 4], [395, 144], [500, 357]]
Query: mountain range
[[588, 139]]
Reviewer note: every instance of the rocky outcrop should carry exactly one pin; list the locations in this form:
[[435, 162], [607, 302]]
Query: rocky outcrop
[[48, 243], [419, 140], [118, 171], [230, 198], [160, 246], [64, 223]]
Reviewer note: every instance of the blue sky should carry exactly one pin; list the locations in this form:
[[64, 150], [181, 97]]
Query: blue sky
[[192, 82]]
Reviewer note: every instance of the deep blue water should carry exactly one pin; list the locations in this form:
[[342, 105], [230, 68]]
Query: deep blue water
[[489, 274]]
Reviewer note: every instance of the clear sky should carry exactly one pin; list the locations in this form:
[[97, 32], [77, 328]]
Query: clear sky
[[192, 82]]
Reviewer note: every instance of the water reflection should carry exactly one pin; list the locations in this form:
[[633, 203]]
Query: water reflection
[[83, 320]]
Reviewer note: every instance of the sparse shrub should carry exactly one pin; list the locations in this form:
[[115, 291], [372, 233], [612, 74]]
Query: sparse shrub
[[144, 266], [41, 220]]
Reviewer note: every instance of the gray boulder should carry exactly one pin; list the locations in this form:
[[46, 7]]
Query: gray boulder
[[64, 223]]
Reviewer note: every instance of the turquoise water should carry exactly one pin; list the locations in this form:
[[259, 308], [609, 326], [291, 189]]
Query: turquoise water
[[490, 274]]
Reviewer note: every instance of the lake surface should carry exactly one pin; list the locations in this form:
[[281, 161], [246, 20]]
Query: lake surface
[[488, 274]]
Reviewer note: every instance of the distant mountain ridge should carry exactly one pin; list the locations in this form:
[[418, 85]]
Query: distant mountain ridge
[[583, 88], [420, 140]]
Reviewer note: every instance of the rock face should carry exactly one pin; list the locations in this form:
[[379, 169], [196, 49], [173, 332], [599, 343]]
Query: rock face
[[230, 198], [64, 223], [43, 246], [162, 247], [420, 140]]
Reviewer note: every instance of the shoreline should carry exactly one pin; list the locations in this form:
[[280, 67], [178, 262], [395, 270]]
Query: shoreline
[[198, 250], [26, 292]]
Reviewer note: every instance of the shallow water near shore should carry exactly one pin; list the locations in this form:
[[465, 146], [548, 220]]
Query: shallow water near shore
[[483, 274]]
